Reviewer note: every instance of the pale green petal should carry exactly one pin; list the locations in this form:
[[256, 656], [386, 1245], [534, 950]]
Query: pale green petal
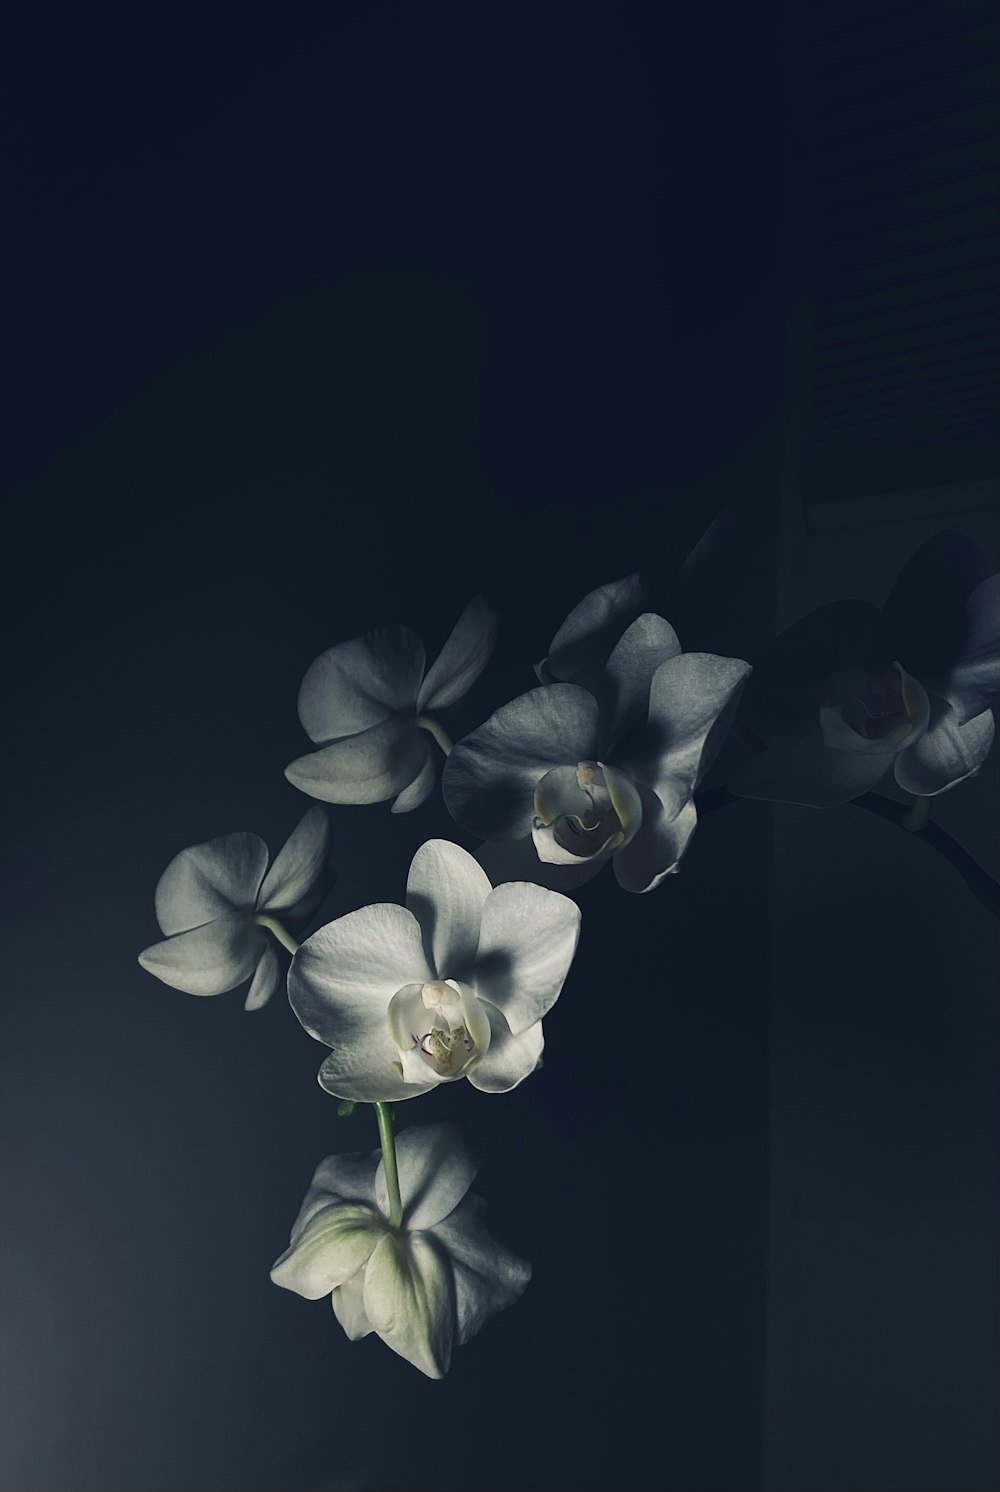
[[361, 683], [419, 790], [336, 1242], [209, 880], [207, 960], [488, 1277], [409, 1300], [266, 978]]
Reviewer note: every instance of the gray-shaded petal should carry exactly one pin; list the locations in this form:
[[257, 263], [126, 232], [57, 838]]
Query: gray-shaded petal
[[462, 659], [337, 1241], [517, 860], [207, 960], [436, 1169], [657, 849], [509, 1059], [298, 864], [488, 1277], [527, 941], [489, 779], [692, 700], [266, 978], [946, 754], [349, 1308], [208, 880], [588, 634], [409, 1300], [419, 790], [634, 659], [360, 683], [366, 768], [924, 607], [972, 683]]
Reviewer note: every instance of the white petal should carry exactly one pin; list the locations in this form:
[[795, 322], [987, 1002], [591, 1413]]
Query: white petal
[[692, 698], [207, 960], [517, 860], [462, 659], [360, 683], [488, 1277], [349, 1308], [420, 789], [377, 1080], [509, 1059], [656, 850], [489, 779], [408, 1300], [946, 754], [337, 1241], [209, 880], [339, 985], [526, 945], [446, 890], [436, 1169], [348, 1177], [634, 659], [803, 770], [588, 633], [366, 768], [266, 978], [298, 863]]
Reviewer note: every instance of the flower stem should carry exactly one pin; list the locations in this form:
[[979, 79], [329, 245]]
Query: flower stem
[[383, 1114], [272, 924], [918, 817], [436, 729]]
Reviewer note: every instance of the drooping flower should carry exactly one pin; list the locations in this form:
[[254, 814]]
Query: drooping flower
[[366, 703], [428, 1285], [454, 984], [850, 692], [208, 900], [586, 774]]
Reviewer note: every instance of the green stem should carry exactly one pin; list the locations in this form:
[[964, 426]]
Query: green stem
[[436, 729], [274, 926], [383, 1114], [918, 815]]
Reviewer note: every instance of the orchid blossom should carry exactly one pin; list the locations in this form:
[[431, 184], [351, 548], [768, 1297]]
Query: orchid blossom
[[369, 705], [454, 984], [214, 901]]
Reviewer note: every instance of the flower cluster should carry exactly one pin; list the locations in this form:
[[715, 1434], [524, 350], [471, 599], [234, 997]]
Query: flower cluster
[[603, 762]]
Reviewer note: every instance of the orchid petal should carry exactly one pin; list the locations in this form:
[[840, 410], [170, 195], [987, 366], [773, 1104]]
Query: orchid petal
[[526, 944], [436, 1169], [419, 790], [946, 754], [634, 659], [838, 734], [446, 891], [692, 699], [337, 1241], [366, 768], [488, 1277], [298, 863], [509, 1059], [266, 978], [587, 635], [462, 659], [804, 770], [408, 1300], [349, 1308], [517, 860], [339, 985], [973, 681], [925, 605], [489, 779], [361, 683], [209, 880], [657, 849], [349, 1177], [207, 960]]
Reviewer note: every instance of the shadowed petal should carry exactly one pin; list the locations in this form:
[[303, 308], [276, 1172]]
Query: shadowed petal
[[297, 864], [360, 683], [692, 699], [526, 945], [924, 607], [517, 860], [408, 1300], [446, 890], [656, 850], [420, 789], [489, 779], [266, 978], [590, 631], [207, 960], [509, 1059], [337, 1241], [462, 659], [946, 754], [972, 683], [488, 1277], [366, 768], [634, 660], [349, 1308], [436, 1169], [209, 880]]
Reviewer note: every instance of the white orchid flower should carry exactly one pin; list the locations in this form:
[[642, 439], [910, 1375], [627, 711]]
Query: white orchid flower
[[368, 705], [429, 1283], [214, 901], [581, 776], [851, 692], [454, 984]]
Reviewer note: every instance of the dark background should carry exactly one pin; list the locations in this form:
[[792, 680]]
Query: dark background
[[318, 326]]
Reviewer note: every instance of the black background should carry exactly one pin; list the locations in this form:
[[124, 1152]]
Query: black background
[[315, 326]]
